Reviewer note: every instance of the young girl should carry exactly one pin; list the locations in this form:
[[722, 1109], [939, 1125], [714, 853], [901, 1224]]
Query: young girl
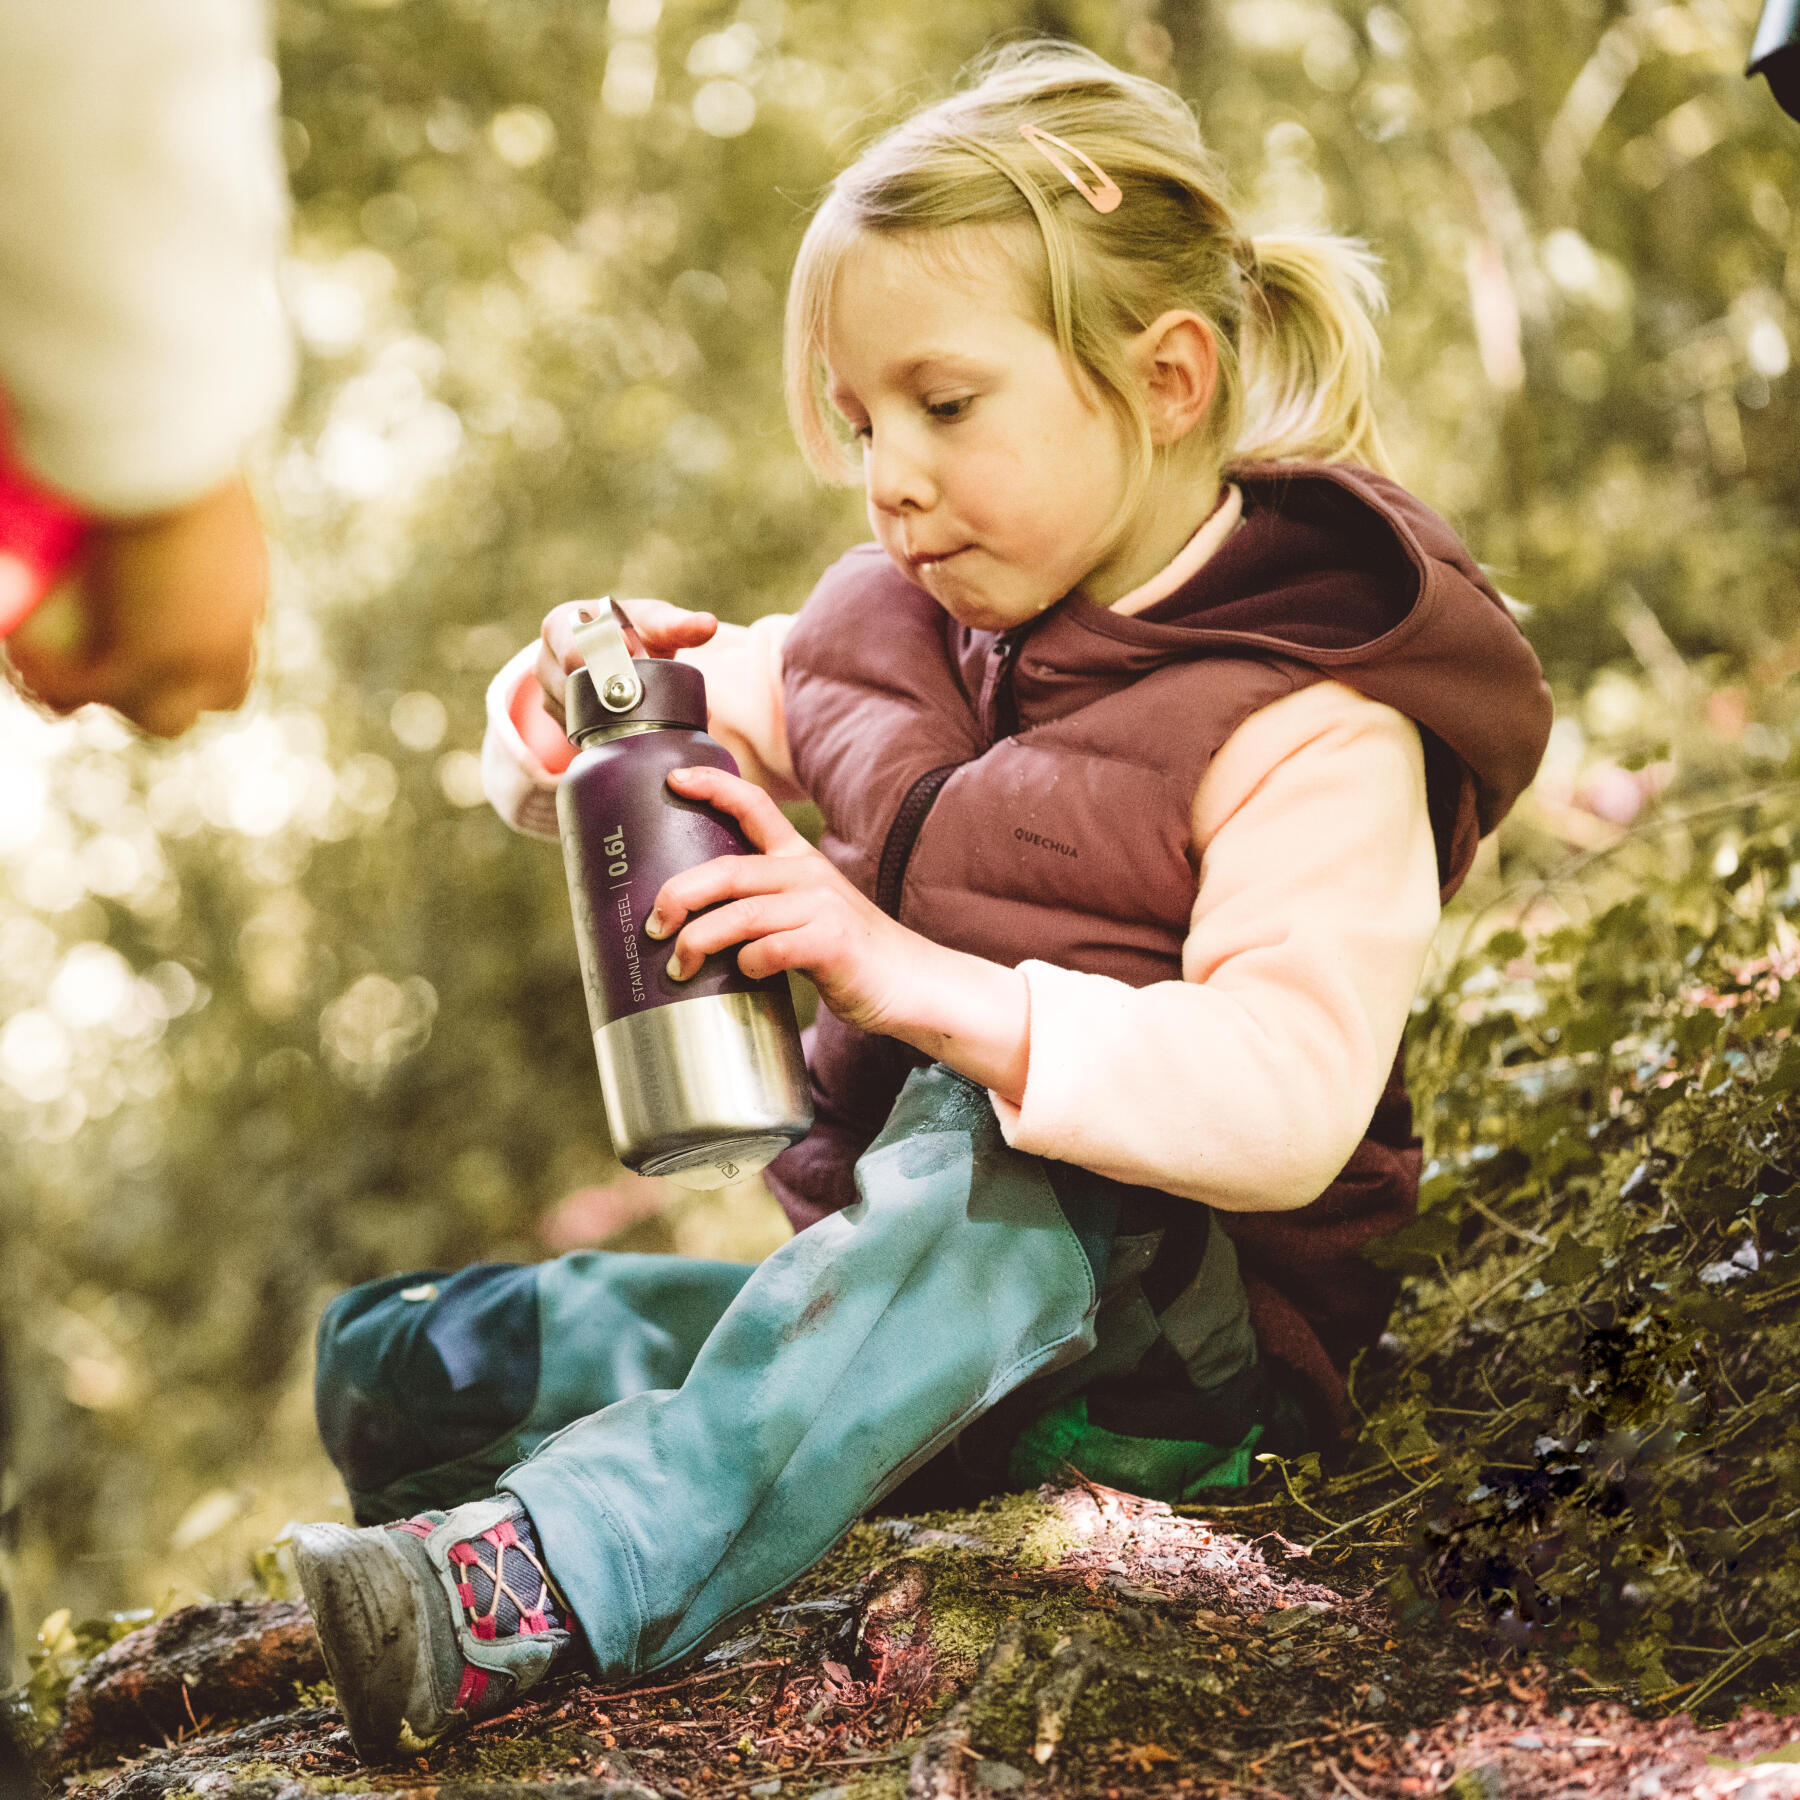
[[1148, 737]]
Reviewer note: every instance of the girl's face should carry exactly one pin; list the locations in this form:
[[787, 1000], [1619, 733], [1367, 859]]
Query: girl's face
[[994, 482]]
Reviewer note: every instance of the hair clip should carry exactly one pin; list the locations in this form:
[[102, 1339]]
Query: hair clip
[[1102, 198]]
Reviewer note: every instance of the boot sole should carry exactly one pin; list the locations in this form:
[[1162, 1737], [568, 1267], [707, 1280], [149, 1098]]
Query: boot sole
[[364, 1608]]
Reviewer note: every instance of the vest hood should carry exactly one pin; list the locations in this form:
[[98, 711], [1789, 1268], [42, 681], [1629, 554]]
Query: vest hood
[[1344, 572]]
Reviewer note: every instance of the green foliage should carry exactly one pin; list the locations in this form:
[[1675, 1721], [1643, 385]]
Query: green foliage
[[64, 1647], [1595, 1363]]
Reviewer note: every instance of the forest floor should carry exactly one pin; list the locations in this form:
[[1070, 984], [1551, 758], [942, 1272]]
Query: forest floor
[[1075, 1642]]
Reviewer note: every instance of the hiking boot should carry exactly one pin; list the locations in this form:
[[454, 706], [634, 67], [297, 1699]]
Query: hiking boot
[[432, 1623]]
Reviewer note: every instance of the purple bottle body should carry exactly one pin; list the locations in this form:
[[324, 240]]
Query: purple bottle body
[[704, 1080], [624, 833]]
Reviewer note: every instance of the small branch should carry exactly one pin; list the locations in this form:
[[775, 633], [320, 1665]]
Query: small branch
[[695, 1680], [1327, 1737], [1541, 885], [1481, 1300], [1387, 1506], [1493, 1218], [1344, 1780], [1280, 1463], [1736, 1664]]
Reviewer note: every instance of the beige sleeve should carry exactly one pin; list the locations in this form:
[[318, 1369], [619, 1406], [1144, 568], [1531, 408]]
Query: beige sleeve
[[1248, 1083], [742, 666], [142, 220]]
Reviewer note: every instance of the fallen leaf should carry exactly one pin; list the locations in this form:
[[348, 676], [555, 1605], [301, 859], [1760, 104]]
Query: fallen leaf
[[1145, 1757]]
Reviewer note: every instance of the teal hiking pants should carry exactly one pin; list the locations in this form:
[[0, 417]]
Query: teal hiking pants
[[689, 1437]]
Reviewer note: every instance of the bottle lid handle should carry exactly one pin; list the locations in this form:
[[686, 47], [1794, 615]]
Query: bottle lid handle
[[603, 638]]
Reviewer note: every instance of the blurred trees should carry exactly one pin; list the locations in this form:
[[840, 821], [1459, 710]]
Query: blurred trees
[[284, 1007]]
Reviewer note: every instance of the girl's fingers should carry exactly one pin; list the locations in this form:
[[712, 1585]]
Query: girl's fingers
[[725, 878], [763, 822], [548, 669], [665, 629], [799, 949], [724, 926], [557, 640]]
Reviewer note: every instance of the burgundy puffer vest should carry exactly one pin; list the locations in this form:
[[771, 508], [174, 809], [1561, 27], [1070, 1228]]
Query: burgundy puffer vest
[[1029, 795]]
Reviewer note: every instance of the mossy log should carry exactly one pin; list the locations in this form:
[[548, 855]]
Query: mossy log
[[200, 1664]]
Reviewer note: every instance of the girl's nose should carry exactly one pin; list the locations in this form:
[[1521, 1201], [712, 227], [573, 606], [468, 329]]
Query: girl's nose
[[897, 480]]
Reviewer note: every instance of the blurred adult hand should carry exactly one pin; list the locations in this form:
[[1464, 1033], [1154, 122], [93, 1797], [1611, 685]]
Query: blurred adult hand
[[160, 622]]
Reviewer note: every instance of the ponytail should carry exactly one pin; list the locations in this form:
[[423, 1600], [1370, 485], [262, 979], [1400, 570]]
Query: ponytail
[[1310, 354]]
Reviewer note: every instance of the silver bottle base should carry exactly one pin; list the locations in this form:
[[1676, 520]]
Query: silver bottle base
[[704, 1092]]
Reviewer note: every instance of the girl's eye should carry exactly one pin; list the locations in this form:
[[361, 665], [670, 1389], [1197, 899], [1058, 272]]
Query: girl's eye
[[950, 409]]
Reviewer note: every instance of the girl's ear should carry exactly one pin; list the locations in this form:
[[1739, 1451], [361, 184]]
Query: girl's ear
[[1178, 361]]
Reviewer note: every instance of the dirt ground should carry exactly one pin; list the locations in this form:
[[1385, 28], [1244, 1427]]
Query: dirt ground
[[1077, 1642]]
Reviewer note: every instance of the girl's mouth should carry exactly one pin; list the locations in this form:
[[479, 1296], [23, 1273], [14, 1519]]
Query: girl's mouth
[[925, 564]]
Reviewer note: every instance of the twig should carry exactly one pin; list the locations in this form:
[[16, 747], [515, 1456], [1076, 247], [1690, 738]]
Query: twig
[[1493, 1218], [774, 1662], [1344, 1780], [1280, 1463], [1387, 1506], [1499, 1287], [1736, 1664], [806, 1768], [1328, 1737], [1756, 1302], [1362, 1477]]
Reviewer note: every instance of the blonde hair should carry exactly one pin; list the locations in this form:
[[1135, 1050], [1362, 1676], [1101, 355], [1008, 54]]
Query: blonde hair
[[1291, 312]]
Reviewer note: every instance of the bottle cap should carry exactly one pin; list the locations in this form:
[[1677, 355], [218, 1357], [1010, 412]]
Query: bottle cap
[[617, 689]]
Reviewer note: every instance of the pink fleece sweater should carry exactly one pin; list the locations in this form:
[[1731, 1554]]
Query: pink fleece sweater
[[1248, 1083]]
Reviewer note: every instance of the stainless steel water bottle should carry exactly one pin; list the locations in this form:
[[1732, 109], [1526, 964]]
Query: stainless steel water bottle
[[703, 1079]]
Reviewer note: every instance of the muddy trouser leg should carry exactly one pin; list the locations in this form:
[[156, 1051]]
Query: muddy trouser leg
[[846, 1360], [431, 1385], [842, 1373]]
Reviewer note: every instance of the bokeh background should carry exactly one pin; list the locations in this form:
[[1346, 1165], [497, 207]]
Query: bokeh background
[[284, 1007]]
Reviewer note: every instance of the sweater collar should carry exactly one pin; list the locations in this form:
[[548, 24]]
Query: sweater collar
[[1220, 523]]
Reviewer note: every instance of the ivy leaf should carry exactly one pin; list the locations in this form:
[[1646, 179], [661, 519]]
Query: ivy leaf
[[1416, 1248], [1570, 1262]]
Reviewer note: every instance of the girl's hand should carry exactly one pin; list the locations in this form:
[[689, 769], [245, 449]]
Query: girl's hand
[[663, 628], [791, 909], [788, 907]]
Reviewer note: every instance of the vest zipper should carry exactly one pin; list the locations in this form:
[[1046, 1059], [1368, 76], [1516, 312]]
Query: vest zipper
[[903, 834], [1003, 703]]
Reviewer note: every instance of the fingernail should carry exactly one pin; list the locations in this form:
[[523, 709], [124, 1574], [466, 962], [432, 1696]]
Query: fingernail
[[674, 968], [654, 924]]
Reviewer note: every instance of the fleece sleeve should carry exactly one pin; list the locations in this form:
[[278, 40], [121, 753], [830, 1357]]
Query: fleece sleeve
[[524, 750], [1248, 1083], [142, 216]]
